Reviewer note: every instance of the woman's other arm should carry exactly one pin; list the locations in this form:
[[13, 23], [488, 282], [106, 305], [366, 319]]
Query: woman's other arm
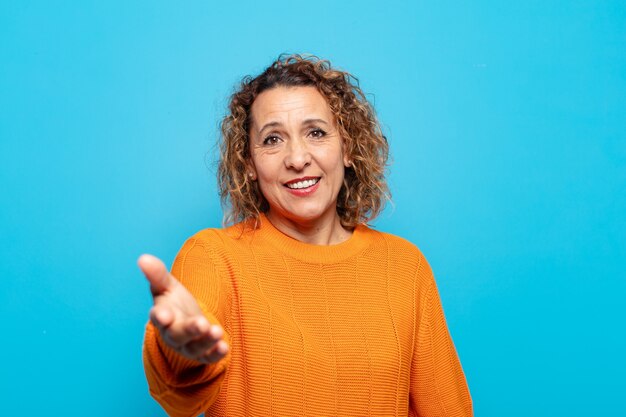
[[438, 385]]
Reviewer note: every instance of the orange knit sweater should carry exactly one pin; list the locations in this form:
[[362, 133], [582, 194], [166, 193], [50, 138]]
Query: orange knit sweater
[[354, 329]]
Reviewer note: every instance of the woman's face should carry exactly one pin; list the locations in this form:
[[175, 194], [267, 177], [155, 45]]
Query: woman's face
[[297, 155]]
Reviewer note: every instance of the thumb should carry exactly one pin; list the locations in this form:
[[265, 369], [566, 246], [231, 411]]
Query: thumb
[[155, 271]]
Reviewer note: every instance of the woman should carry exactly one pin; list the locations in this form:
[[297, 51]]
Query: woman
[[299, 308]]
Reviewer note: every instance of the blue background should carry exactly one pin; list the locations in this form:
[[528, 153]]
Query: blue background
[[507, 123]]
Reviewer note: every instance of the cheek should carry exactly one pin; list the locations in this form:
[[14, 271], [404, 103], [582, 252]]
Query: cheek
[[266, 188], [335, 161], [267, 177], [266, 174], [261, 164]]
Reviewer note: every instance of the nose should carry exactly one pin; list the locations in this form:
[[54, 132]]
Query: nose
[[298, 156]]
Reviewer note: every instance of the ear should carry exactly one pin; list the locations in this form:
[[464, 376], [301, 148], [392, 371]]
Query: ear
[[347, 159], [251, 173]]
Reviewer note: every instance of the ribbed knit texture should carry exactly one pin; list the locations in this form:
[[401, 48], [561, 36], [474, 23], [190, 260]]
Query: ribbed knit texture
[[354, 329]]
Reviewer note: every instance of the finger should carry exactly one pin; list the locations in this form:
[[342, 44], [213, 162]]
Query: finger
[[218, 352], [161, 316], [183, 331], [198, 327], [204, 342], [156, 273]]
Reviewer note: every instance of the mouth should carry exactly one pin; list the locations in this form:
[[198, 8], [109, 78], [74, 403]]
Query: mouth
[[302, 183]]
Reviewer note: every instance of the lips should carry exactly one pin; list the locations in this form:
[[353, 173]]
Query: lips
[[302, 183]]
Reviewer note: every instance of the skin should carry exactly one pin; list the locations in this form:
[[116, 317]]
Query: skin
[[178, 317], [293, 136]]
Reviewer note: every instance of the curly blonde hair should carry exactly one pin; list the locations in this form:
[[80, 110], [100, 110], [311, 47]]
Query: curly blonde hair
[[364, 191]]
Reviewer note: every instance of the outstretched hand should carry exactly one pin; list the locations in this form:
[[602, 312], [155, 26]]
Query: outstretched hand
[[178, 317]]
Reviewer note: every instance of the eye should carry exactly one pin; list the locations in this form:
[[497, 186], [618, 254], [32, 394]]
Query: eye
[[317, 133], [271, 140]]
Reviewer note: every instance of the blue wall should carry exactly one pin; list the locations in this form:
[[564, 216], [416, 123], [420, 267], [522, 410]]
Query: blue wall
[[508, 129]]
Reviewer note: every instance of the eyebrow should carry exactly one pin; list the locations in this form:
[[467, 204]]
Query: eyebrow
[[305, 122]]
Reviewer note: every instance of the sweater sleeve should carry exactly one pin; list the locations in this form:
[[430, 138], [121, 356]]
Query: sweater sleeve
[[183, 387], [438, 386]]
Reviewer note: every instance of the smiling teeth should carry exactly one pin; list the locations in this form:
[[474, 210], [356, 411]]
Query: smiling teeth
[[303, 184]]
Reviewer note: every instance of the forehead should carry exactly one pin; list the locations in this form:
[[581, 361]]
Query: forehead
[[289, 103]]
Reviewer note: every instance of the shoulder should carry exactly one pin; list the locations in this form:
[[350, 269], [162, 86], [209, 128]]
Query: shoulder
[[219, 241], [205, 239], [401, 251], [396, 244], [210, 252]]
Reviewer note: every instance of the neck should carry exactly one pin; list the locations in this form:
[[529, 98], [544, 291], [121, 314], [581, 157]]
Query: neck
[[316, 232]]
